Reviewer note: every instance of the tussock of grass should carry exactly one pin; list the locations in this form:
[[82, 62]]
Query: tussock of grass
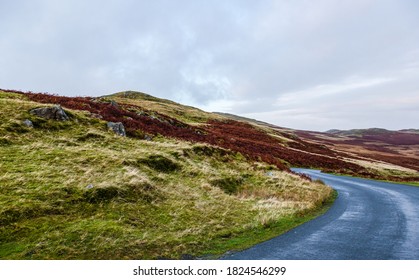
[[160, 163], [229, 185], [78, 191]]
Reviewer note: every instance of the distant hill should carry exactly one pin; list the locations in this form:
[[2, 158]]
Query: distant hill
[[400, 137], [411, 130], [359, 132], [377, 152]]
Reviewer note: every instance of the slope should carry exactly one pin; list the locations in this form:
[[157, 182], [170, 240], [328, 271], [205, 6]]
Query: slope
[[73, 189]]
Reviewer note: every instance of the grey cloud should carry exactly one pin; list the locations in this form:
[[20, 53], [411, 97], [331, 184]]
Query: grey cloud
[[247, 56]]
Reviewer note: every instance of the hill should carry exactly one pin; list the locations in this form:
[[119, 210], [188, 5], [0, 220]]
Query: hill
[[372, 153], [388, 155], [182, 183], [178, 183]]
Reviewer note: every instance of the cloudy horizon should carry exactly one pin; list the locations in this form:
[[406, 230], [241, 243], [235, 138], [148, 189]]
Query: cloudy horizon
[[313, 65]]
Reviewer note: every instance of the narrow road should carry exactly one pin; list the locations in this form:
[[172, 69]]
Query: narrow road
[[369, 220]]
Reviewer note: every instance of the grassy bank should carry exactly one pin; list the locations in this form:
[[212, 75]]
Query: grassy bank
[[266, 232], [74, 190]]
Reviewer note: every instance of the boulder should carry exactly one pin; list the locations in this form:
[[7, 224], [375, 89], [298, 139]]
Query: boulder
[[117, 127], [269, 174], [114, 104], [54, 113], [28, 123]]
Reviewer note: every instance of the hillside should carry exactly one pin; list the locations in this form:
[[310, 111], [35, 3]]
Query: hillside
[[371, 153], [182, 183], [389, 155], [177, 183]]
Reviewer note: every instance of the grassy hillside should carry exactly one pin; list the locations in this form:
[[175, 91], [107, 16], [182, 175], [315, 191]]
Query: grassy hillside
[[75, 190]]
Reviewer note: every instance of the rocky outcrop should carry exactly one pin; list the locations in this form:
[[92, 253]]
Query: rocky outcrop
[[53, 113], [117, 127]]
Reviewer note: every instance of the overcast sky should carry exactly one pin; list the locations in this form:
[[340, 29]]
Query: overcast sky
[[312, 65]]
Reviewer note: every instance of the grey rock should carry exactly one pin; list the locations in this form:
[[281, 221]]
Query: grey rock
[[114, 104], [54, 113], [269, 174], [148, 137], [117, 127], [28, 123], [187, 257]]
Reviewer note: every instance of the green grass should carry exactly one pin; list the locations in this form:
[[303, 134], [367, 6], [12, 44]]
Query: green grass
[[74, 190]]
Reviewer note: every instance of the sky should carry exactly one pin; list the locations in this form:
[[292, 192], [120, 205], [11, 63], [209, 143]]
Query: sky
[[313, 65]]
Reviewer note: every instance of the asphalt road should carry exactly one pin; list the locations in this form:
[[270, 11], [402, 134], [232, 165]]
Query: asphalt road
[[369, 220]]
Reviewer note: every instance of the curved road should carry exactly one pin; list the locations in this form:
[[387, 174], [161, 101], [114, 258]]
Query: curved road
[[369, 220]]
